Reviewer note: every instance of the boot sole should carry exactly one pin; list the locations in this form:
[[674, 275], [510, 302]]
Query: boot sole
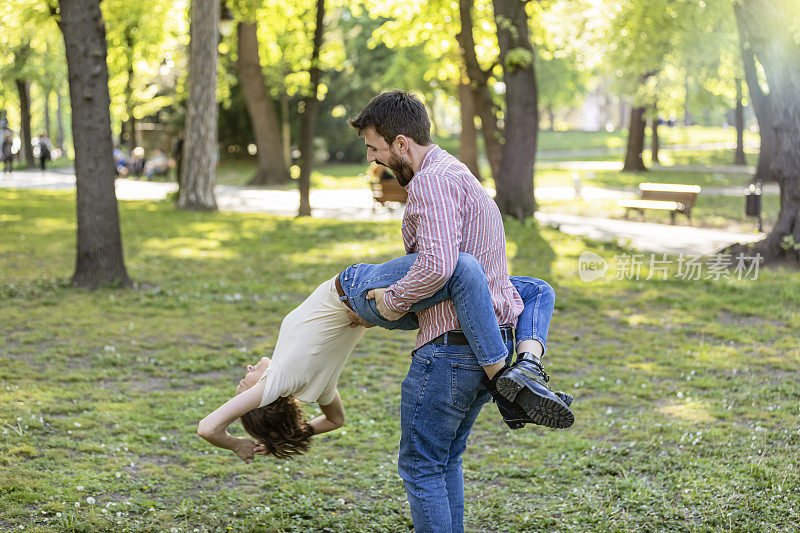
[[541, 409]]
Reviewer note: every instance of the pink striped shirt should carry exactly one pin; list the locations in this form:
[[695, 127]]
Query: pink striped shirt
[[448, 211]]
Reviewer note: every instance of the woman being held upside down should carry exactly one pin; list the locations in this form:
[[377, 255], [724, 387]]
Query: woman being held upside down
[[318, 336]]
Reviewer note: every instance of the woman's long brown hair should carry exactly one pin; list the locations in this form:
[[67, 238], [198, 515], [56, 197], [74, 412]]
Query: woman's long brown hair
[[280, 427]]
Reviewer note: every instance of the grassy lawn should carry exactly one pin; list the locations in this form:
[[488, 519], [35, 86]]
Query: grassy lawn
[[686, 406]]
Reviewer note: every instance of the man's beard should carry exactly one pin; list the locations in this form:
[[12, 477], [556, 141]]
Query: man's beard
[[400, 168]]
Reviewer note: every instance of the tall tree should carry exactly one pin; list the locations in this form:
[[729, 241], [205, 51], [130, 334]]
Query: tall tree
[[479, 84], [515, 176], [24, 90], [769, 35], [738, 158], [200, 150], [99, 258], [261, 109], [655, 144], [309, 116], [645, 34], [468, 140]]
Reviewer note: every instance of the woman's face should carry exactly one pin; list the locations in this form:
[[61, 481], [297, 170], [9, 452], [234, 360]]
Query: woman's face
[[252, 375]]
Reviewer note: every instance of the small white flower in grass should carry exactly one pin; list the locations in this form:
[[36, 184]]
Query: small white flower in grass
[[77, 504], [163, 438], [173, 530], [58, 515], [609, 411], [679, 395], [79, 488], [77, 424], [117, 475], [90, 500]]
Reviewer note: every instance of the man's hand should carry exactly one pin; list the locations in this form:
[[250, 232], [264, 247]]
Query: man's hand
[[385, 312], [356, 320], [243, 448]]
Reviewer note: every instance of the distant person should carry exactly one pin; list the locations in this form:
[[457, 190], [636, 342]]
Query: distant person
[[7, 151], [120, 161], [157, 164], [45, 150], [177, 154], [137, 161]]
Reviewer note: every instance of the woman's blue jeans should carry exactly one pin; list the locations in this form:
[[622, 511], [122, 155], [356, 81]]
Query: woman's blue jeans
[[468, 290]]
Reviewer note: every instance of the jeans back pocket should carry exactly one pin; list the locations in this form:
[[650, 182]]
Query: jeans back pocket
[[465, 384]]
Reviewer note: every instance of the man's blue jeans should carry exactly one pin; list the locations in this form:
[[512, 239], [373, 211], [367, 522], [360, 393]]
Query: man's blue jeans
[[440, 400], [468, 290], [443, 393]]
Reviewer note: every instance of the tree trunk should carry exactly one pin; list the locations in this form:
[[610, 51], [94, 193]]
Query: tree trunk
[[263, 118], [200, 150], [468, 140], [129, 126], [99, 257], [633, 154], [739, 158], [654, 141], [514, 181], [309, 119], [688, 120], [761, 103], [551, 116], [46, 111], [765, 35], [24, 90], [286, 131], [479, 83], [59, 121]]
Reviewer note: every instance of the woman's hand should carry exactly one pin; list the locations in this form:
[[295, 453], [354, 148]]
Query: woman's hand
[[244, 449]]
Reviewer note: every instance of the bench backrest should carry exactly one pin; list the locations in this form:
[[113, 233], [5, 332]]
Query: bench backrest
[[669, 192]]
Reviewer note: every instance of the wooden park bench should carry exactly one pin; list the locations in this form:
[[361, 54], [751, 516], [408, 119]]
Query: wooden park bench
[[663, 196], [385, 187]]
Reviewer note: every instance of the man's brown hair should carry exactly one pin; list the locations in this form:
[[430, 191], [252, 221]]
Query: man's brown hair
[[280, 427], [395, 113]]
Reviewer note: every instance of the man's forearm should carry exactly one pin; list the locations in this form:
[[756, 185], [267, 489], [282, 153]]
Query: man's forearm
[[420, 282]]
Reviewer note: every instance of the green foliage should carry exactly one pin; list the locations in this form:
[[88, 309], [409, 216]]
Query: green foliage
[[518, 58], [147, 39]]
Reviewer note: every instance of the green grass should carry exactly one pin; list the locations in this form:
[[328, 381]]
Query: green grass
[[686, 392], [616, 179], [616, 140]]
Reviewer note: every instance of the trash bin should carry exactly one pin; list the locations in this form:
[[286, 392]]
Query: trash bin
[[752, 202]]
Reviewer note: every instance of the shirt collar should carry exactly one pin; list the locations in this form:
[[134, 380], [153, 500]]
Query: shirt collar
[[429, 157]]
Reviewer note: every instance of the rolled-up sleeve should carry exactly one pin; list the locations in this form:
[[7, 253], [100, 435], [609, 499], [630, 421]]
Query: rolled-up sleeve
[[434, 207]]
